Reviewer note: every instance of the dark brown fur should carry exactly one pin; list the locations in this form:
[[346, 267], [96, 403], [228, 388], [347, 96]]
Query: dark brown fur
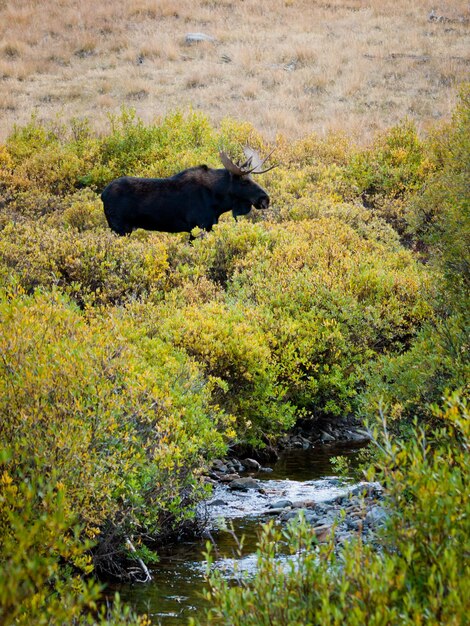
[[195, 197]]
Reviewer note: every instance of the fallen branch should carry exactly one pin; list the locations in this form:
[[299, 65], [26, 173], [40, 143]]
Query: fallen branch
[[143, 567]]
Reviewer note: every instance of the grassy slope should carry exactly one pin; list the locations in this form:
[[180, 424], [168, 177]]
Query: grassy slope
[[299, 66]]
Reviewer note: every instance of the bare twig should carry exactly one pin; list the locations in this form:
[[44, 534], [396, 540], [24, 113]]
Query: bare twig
[[143, 567]]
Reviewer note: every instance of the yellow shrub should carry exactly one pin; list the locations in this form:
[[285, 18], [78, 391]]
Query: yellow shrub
[[104, 412], [95, 266], [85, 211]]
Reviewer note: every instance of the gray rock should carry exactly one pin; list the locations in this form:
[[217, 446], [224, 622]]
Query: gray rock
[[243, 484], [251, 464], [326, 438], [219, 466], [334, 482], [322, 508], [192, 38], [310, 516], [354, 524], [214, 476], [228, 478], [217, 502], [289, 514], [303, 504], [304, 442], [238, 467], [331, 515], [267, 470], [273, 511], [338, 499], [280, 504], [366, 489]]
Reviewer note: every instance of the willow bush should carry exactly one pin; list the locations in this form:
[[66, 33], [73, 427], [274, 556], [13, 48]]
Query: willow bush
[[118, 427], [39, 535], [438, 221]]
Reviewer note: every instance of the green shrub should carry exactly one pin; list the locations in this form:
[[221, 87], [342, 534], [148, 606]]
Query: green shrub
[[385, 174], [408, 383], [439, 222], [439, 216], [328, 302], [288, 316], [417, 573], [48, 158], [395, 164], [178, 141], [84, 211], [40, 534], [233, 352], [124, 424]]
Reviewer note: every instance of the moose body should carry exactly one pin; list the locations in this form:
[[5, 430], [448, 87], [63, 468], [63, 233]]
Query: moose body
[[194, 197]]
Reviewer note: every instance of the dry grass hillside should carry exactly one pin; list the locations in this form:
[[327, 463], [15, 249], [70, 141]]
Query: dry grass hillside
[[288, 66]]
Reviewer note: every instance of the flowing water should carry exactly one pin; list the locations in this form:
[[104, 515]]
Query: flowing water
[[175, 592]]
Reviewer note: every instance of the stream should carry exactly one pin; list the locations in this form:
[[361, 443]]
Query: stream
[[174, 594]]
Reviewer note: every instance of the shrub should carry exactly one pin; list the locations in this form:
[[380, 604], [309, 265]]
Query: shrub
[[92, 266], [49, 158], [387, 173], [123, 424], [329, 301], [233, 353], [410, 382], [39, 534], [84, 211], [439, 217], [439, 221], [393, 165], [178, 141]]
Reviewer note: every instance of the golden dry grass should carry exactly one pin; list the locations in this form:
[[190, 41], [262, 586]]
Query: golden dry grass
[[287, 66]]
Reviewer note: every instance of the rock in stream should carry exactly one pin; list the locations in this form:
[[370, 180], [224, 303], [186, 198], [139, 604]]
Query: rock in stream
[[321, 503]]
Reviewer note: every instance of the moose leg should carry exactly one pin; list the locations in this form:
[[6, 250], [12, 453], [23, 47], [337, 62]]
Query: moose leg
[[118, 225], [122, 230]]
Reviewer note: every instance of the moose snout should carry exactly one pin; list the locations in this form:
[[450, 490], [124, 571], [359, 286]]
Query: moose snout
[[263, 202]]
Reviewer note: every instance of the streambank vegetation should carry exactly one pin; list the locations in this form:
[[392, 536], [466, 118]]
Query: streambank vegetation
[[128, 364]]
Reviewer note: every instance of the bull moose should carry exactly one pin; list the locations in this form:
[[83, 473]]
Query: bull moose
[[194, 197]]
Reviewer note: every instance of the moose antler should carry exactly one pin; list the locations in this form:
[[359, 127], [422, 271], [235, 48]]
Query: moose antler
[[246, 168], [231, 166], [254, 157]]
